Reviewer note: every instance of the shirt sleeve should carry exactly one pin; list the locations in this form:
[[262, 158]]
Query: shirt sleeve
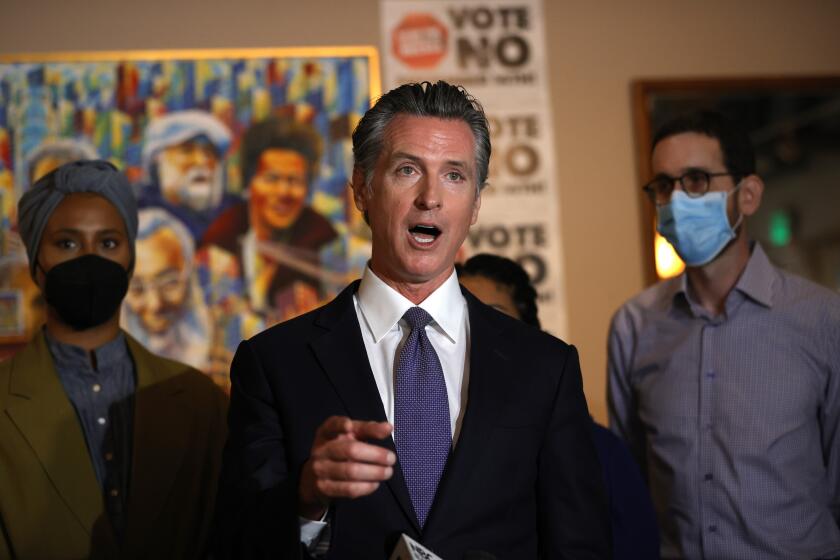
[[830, 413], [621, 399]]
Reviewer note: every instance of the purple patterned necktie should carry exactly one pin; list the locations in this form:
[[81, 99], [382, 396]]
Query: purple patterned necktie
[[421, 415]]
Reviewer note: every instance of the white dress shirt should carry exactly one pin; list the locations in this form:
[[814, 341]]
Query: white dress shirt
[[379, 309]]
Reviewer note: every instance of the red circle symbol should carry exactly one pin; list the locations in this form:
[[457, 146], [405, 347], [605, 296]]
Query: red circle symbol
[[419, 41]]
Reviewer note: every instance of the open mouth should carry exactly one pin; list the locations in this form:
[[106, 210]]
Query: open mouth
[[424, 234]]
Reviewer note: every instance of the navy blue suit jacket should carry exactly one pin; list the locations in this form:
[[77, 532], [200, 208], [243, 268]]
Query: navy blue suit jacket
[[635, 533], [523, 480]]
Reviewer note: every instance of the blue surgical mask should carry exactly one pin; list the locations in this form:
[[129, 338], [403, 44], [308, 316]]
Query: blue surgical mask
[[698, 228]]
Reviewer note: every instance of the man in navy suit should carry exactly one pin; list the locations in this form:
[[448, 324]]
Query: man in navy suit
[[405, 405]]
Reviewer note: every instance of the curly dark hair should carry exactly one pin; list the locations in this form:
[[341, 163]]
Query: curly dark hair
[[735, 145], [282, 133], [508, 273]]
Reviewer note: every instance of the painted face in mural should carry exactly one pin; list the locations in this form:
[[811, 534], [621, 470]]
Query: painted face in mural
[[422, 200], [158, 290], [45, 165], [278, 190], [189, 174]]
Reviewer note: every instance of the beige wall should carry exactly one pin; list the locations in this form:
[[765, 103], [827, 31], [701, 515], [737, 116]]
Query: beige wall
[[595, 49]]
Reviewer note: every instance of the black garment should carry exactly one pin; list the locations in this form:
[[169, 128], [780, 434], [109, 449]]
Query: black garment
[[634, 531], [523, 481]]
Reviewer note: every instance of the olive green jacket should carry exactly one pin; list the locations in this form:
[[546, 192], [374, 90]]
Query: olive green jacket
[[51, 505]]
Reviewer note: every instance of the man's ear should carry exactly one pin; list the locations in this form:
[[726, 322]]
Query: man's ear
[[749, 196], [360, 190]]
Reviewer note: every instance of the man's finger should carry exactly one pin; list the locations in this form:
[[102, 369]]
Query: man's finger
[[341, 489], [371, 430], [357, 451], [351, 471], [334, 426]]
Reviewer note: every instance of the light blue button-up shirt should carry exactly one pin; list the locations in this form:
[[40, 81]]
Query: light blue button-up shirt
[[734, 418]]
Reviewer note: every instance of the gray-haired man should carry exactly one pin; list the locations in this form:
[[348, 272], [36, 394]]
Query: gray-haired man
[[483, 425]]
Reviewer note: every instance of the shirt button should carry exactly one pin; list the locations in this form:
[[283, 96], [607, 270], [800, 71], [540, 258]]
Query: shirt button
[[710, 374], [708, 476], [100, 421], [97, 387], [712, 528], [114, 492], [109, 456]]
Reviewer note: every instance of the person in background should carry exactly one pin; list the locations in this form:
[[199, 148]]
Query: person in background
[[503, 284], [183, 158], [506, 467], [106, 450], [725, 380]]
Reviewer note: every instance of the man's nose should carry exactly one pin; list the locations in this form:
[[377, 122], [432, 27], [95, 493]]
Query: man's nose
[[430, 193], [200, 156], [152, 299]]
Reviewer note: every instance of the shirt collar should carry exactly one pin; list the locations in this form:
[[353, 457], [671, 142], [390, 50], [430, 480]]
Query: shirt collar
[[756, 282], [107, 355], [382, 306]]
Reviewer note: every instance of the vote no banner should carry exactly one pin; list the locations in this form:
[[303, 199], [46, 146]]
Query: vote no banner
[[496, 49]]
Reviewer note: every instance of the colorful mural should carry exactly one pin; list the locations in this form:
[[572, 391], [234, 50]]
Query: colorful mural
[[239, 162]]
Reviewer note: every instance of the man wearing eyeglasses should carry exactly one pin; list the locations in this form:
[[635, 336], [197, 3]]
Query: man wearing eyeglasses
[[164, 308], [725, 381]]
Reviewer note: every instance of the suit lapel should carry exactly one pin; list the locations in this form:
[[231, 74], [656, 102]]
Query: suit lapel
[[342, 355], [162, 424], [47, 420], [485, 395]]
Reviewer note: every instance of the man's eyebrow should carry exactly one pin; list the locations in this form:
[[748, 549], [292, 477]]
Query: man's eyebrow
[[682, 172], [458, 163], [405, 155]]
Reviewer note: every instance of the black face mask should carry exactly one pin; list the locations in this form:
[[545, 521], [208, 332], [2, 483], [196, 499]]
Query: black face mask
[[86, 291]]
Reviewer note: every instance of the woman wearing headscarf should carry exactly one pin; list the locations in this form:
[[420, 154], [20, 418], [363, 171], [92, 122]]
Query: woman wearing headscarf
[[106, 451]]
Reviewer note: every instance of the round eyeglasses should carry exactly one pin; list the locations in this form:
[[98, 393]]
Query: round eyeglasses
[[694, 183]]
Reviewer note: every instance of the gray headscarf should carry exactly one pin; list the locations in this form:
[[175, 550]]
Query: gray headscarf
[[87, 176]]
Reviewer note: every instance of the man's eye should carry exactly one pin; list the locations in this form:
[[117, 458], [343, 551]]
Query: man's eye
[[454, 176], [110, 243], [662, 185], [65, 244], [406, 170]]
